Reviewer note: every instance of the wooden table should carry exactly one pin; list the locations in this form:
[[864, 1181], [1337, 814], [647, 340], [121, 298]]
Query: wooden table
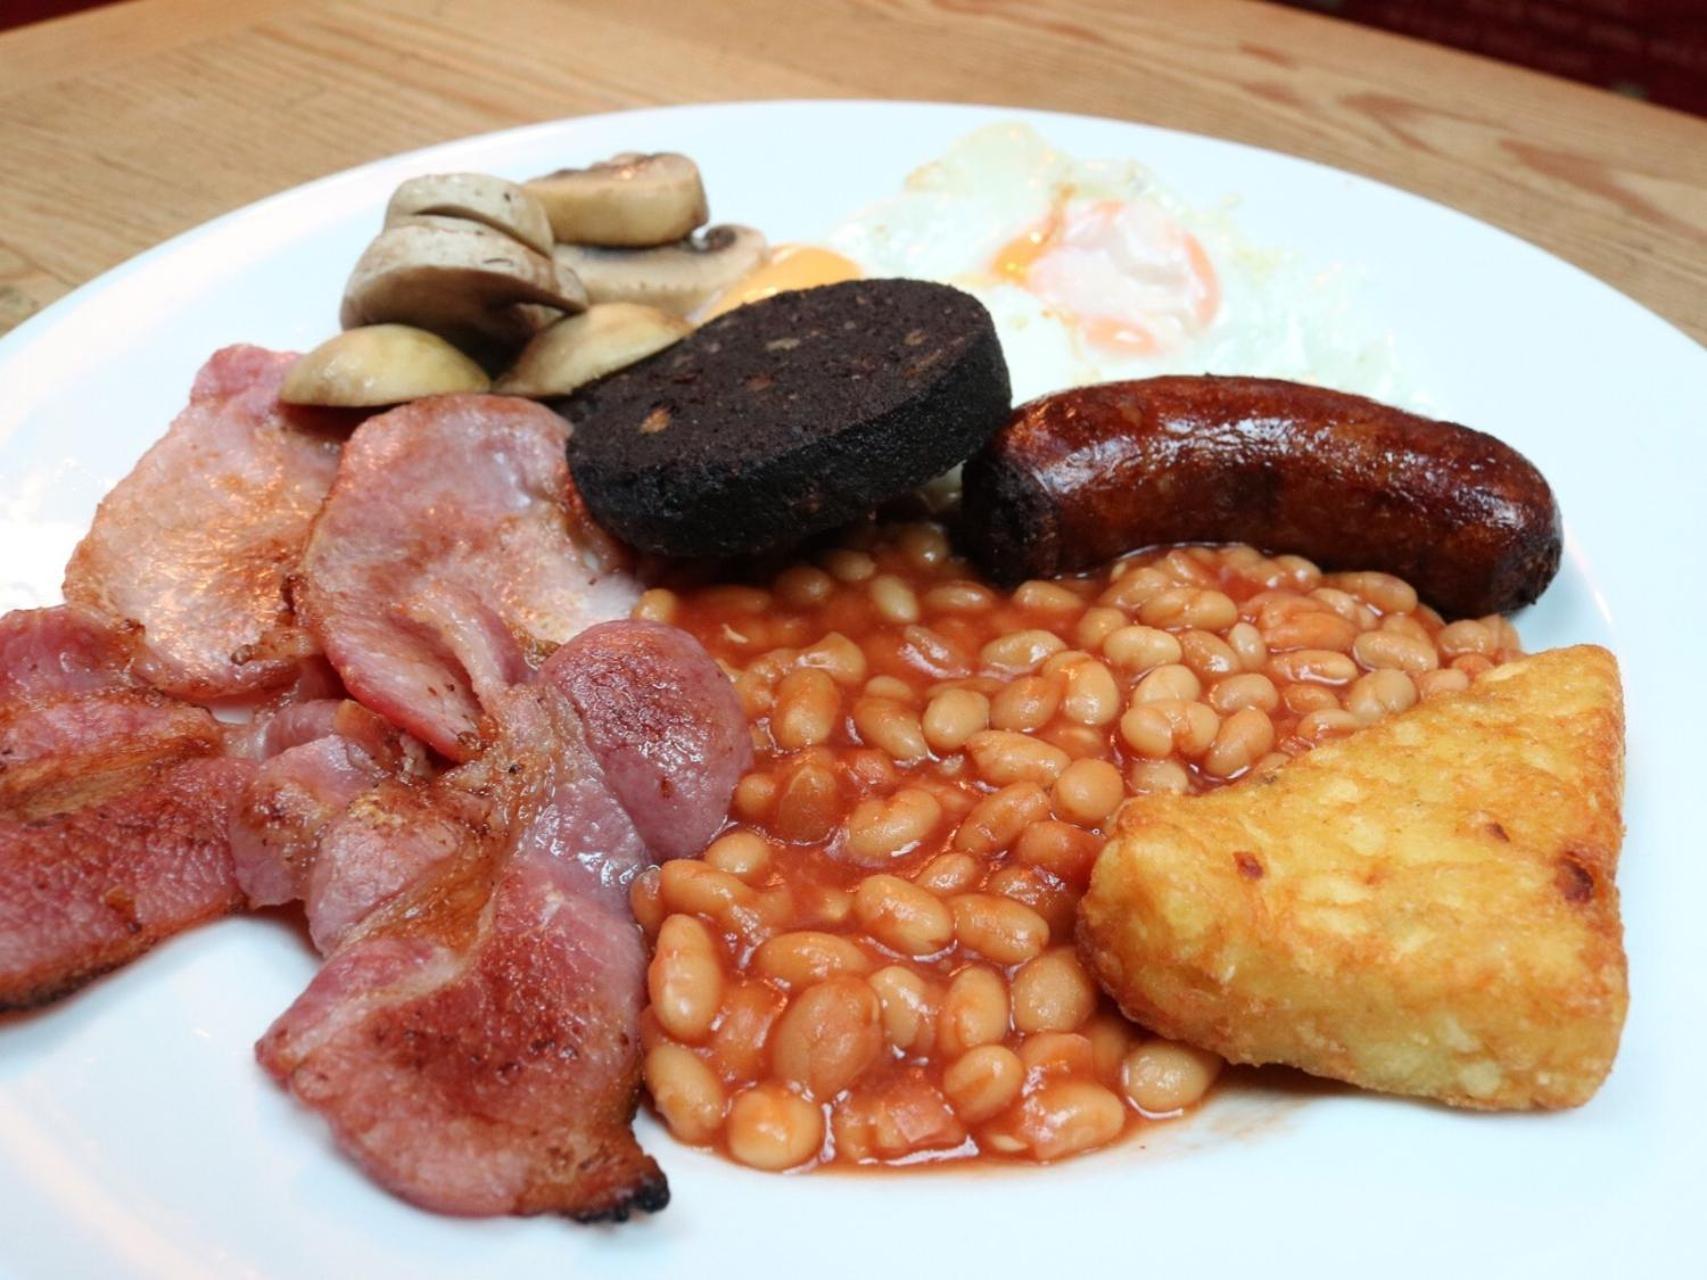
[[125, 125]]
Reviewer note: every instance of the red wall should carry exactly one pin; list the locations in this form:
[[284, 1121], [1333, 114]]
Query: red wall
[[1653, 49]]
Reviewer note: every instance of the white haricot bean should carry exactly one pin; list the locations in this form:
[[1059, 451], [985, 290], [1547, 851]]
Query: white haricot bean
[[1002, 758], [685, 979], [1053, 993], [806, 956], [807, 805], [1065, 1117], [1248, 689], [983, 1082], [1158, 777], [891, 687], [1140, 648], [1092, 697], [1189, 607], [1317, 726], [995, 822], [1431, 684], [746, 855], [1208, 655], [770, 1127], [998, 928], [806, 709], [1047, 597], [1313, 666], [1246, 641], [1026, 704], [1021, 650], [1347, 606], [902, 916], [1379, 694], [974, 1010], [1171, 682], [1467, 637], [849, 566], [893, 726], [803, 586], [1131, 589], [910, 1006], [1161, 1077], [880, 830], [1063, 850], [1088, 791], [949, 873], [1380, 650], [1097, 624], [840, 658], [829, 1036], [1244, 738], [895, 600], [959, 597], [1324, 631], [686, 1092], [693, 888], [952, 717], [1383, 590], [657, 605]]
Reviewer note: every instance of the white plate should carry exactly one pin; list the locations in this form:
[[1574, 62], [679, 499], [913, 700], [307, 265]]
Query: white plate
[[137, 1136]]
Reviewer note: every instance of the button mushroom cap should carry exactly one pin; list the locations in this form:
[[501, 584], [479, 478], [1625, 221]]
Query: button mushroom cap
[[461, 280], [628, 201], [380, 364], [579, 349], [677, 278], [477, 197]]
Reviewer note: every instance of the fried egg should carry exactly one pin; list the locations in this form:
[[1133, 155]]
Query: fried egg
[[1094, 271]]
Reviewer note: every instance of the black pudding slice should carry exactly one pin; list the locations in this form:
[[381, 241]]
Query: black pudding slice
[[789, 416]]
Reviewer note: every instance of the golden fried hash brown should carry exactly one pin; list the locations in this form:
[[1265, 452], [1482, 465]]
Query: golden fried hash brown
[[1426, 907]]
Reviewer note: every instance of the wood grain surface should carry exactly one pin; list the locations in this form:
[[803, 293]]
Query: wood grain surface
[[126, 125]]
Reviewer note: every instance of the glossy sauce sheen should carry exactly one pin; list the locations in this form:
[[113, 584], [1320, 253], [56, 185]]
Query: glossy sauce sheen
[[875, 963], [1077, 478]]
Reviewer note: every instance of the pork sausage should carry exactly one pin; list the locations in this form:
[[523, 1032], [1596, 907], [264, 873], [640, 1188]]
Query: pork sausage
[[1077, 478]]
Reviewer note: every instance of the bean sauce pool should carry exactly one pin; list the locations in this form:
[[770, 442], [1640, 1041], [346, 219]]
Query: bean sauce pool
[[875, 962]]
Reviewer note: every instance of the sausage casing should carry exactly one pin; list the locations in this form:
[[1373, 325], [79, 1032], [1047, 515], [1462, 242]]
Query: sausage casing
[[1082, 476]]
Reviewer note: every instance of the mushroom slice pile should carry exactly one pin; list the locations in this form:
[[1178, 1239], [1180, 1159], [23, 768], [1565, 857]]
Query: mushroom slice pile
[[579, 349], [475, 197], [472, 274], [677, 277], [459, 279], [628, 201], [380, 364]]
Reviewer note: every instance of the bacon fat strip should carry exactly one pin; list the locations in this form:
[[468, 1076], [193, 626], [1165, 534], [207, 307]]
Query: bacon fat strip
[[1080, 477], [193, 547]]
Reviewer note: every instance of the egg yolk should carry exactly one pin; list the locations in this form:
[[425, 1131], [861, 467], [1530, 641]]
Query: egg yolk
[[1125, 273], [788, 267]]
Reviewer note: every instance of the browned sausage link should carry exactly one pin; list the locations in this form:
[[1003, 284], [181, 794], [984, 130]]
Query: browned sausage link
[[1080, 477]]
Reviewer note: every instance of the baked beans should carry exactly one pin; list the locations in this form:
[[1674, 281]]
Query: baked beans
[[875, 961]]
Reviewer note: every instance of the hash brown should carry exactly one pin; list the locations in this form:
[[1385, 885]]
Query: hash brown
[[1427, 907]]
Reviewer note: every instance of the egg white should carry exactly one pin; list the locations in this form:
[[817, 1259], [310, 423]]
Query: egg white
[[1278, 316]]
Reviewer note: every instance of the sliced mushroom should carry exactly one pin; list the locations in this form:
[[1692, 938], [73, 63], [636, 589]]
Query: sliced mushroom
[[677, 278], [459, 279], [380, 364], [578, 349], [478, 197], [628, 201]]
